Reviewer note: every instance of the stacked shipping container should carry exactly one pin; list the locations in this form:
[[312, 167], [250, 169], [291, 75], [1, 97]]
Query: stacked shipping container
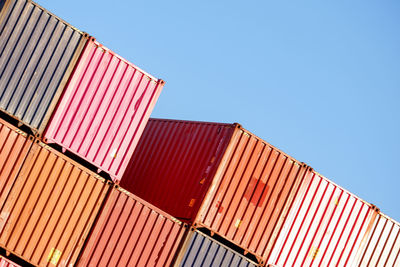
[[217, 176], [7, 263], [131, 232], [72, 91]]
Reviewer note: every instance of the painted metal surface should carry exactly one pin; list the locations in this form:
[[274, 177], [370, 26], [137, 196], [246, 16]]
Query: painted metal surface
[[251, 193], [50, 209], [7, 263], [37, 54], [325, 226], [201, 250], [131, 232], [382, 248], [175, 162], [218, 176], [104, 109], [14, 147]]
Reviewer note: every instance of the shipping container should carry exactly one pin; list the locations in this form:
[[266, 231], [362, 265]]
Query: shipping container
[[201, 250], [104, 109], [131, 232], [218, 176], [14, 147], [325, 226], [382, 248], [37, 54], [50, 209], [7, 263]]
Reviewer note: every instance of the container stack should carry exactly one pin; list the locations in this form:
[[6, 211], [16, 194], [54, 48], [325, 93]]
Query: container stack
[[87, 179]]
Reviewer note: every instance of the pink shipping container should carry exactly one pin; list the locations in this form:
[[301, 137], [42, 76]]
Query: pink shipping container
[[382, 248], [216, 176], [131, 232], [325, 226], [104, 109], [7, 263]]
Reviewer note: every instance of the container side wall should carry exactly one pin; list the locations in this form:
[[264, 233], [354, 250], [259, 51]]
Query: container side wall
[[251, 193], [131, 232], [104, 109], [50, 209], [14, 147], [37, 50], [325, 226], [175, 162], [201, 250], [7, 263], [382, 248]]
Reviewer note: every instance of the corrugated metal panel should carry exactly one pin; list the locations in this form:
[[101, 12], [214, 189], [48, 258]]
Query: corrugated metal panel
[[243, 185], [382, 248], [325, 226], [251, 193], [50, 209], [14, 147], [131, 232], [175, 162], [104, 109], [37, 54], [201, 250], [7, 263]]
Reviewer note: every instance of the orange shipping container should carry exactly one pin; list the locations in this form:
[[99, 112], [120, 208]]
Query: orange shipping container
[[218, 176], [131, 232], [14, 146], [49, 211]]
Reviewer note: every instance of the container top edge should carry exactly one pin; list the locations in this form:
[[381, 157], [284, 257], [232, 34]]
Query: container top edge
[[97, 43], [57, 17]]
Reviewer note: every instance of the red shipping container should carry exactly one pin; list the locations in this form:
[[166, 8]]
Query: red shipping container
[[382, 248], [7, 263], [131, 232], [104, 109], [325, 226], [217, 176]]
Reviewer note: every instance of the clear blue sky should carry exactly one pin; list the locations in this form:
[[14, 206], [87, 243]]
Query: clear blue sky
[[318, 79]]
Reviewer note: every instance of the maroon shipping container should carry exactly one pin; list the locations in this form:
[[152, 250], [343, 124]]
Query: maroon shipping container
[[131, 232], [217, 176], [104, 109]]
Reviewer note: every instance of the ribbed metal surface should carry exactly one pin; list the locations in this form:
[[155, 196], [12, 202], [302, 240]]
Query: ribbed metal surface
[[131, 232], [382, 248], [325, 226], [104, 109], [251, 193], [50, 209], [200, 250], [7, 263], [175, 162], [37, 53], [14, 147]]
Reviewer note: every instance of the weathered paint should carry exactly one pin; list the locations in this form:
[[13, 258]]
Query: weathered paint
[[325, 226], [50, 209], [131, 232], [202, 250], [104, 109], [37, 54], [14, 147], [7, 263], [217, 176], [382, 247]]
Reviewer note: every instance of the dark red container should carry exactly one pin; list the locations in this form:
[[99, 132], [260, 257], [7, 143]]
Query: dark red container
[[218, 176]]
